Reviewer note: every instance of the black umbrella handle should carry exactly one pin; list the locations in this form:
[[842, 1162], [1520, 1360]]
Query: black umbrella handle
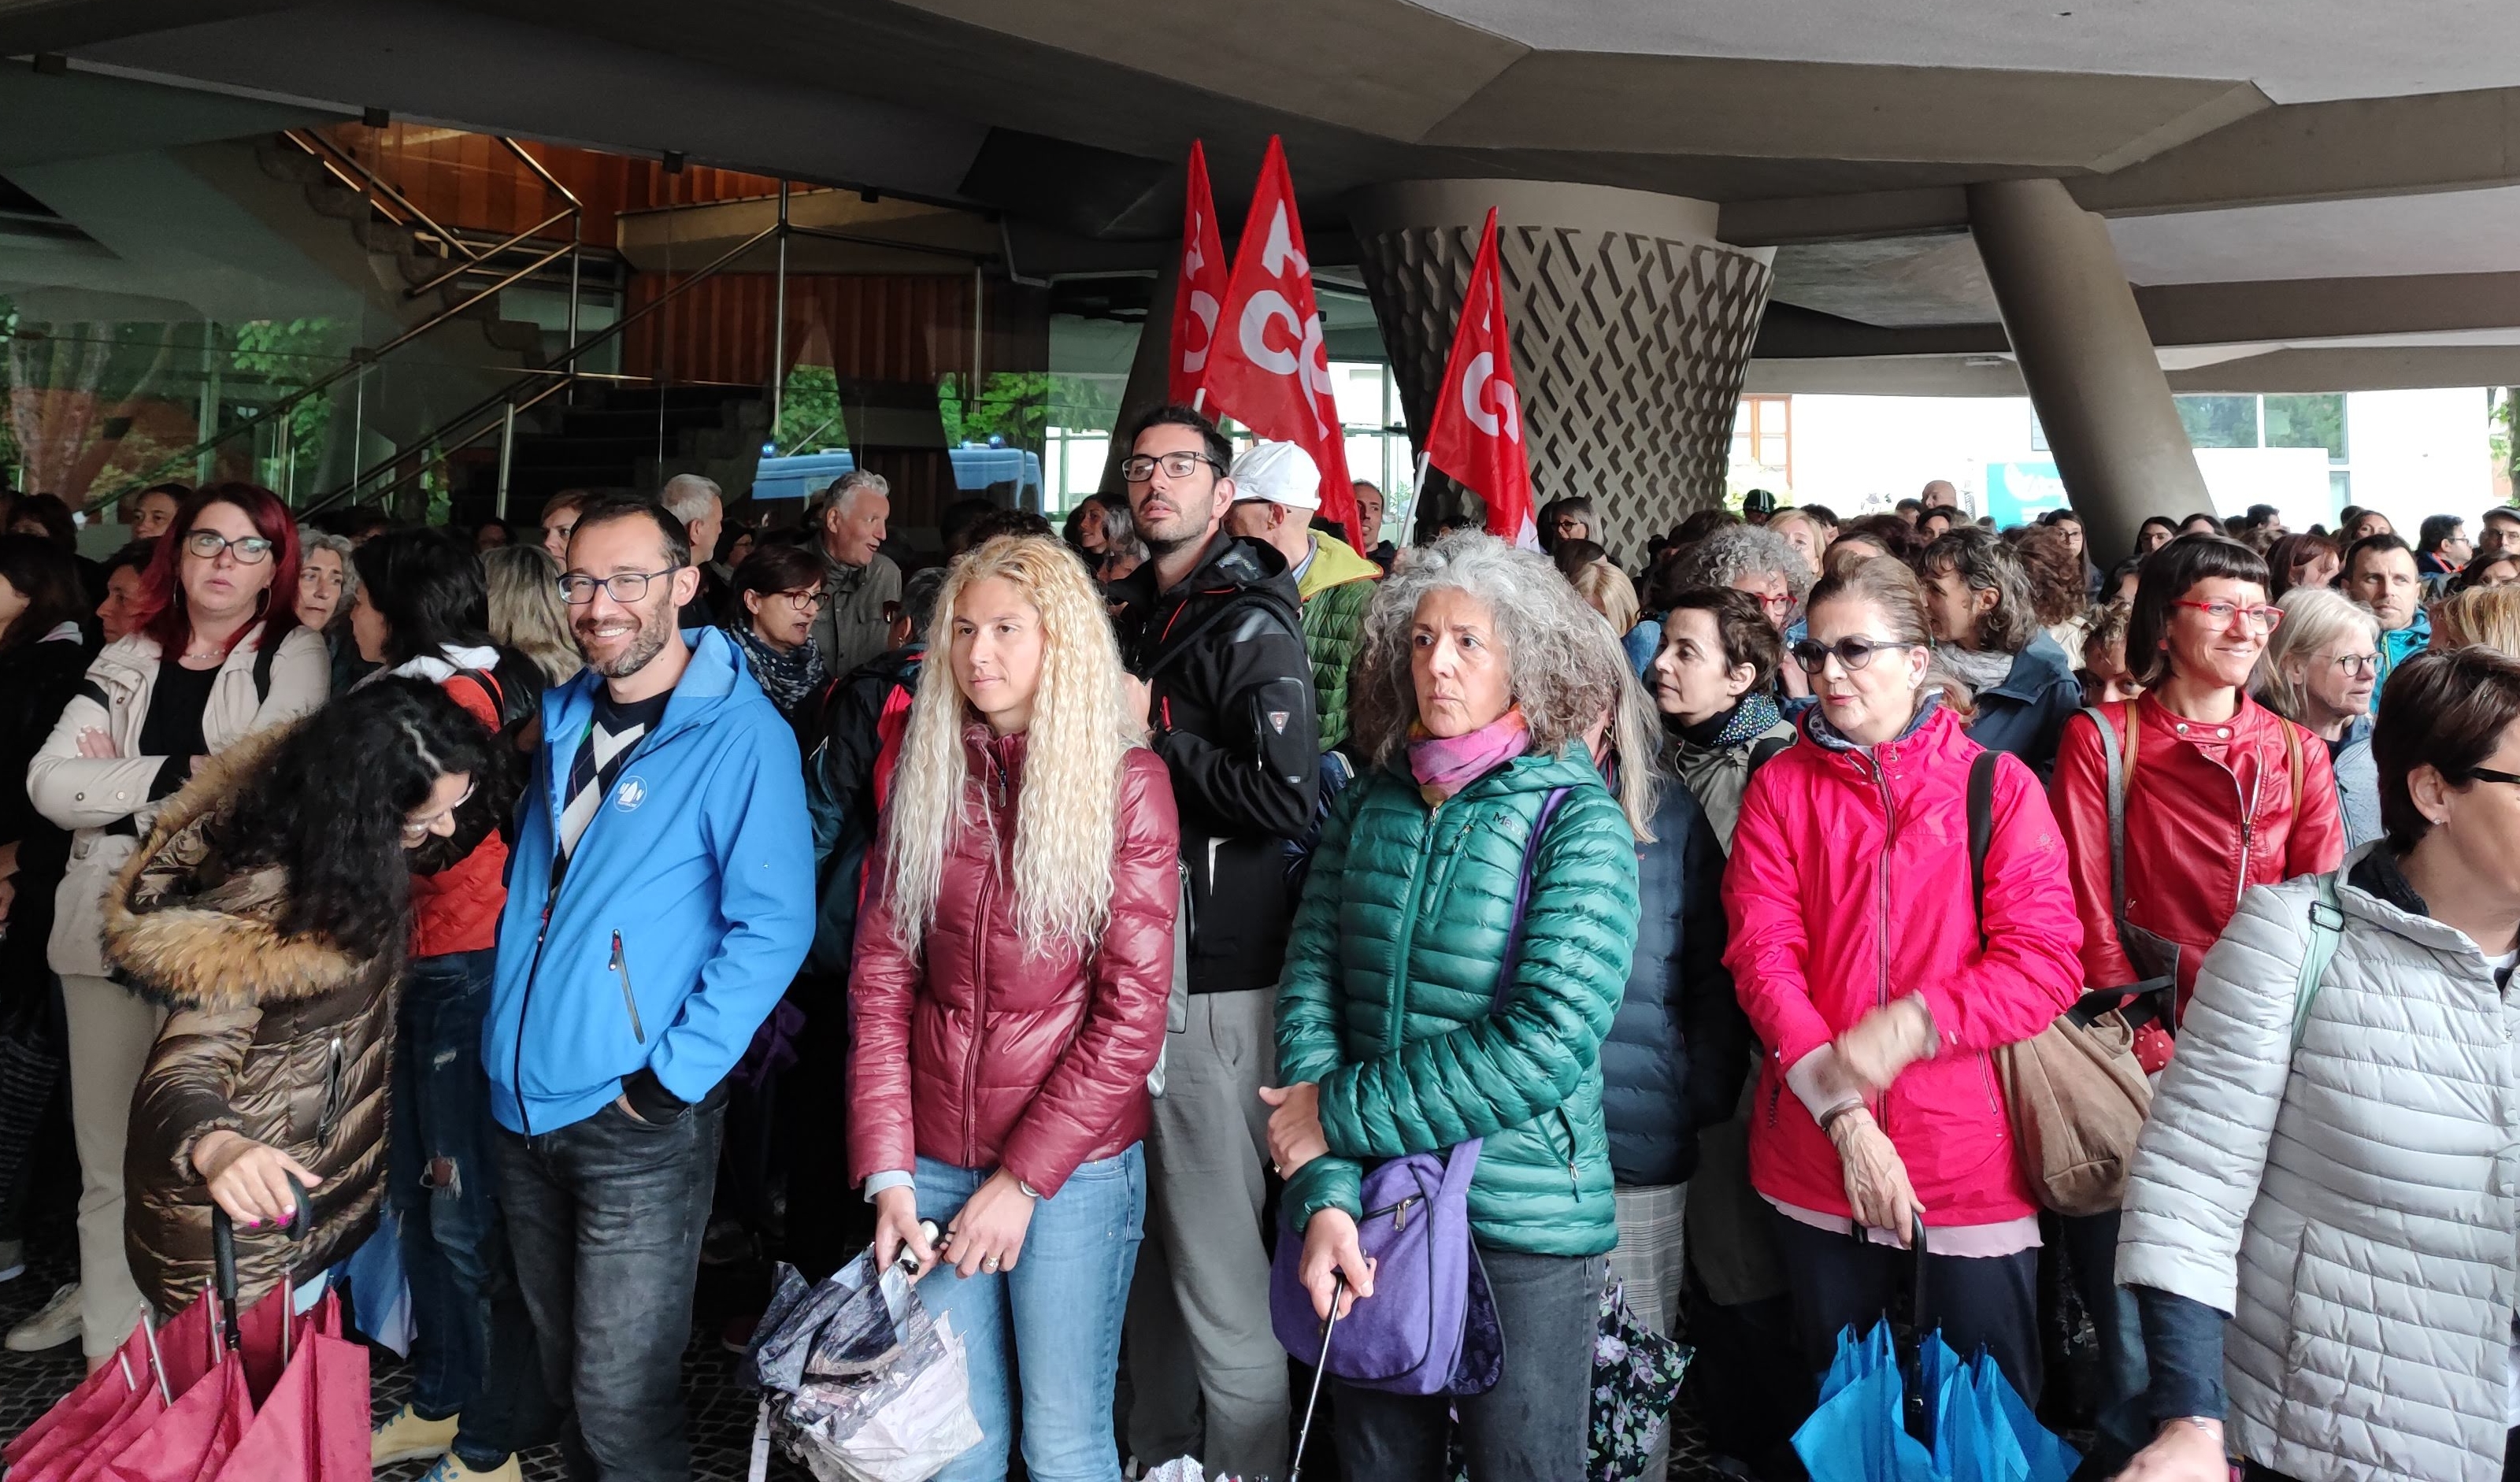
[[223, 1258], [1918, 1308]]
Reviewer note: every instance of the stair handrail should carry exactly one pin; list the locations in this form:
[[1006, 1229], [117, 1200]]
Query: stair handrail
[[359, 362], [475, 265], [321, 147], [561, 373]]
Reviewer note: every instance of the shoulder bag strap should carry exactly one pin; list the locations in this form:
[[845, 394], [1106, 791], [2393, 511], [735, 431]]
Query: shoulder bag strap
[[1981, 830], [265, 650], [2327, 930], [2292, 760], [1522, 899], [2118, 764]]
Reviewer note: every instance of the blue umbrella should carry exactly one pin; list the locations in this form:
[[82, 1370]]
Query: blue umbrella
[[1941, 1421]]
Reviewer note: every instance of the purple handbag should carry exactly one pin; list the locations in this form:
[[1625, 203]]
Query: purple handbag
[[1430, 1326]]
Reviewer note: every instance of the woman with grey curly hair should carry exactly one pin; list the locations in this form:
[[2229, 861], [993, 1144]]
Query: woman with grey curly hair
[[1482, 834], [328, 588]]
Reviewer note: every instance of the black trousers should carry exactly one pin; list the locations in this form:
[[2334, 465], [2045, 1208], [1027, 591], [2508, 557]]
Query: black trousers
[[1837, 1281], [1535, 1424]]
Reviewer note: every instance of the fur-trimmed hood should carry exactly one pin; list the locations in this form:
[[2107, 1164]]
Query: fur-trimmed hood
[[189, 938]]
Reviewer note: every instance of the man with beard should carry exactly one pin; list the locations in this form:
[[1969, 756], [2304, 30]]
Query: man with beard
[[660, 897], [1211, 631]]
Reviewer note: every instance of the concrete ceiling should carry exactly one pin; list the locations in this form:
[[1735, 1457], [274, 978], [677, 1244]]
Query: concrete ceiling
[[2238, 145], [2302, 50]]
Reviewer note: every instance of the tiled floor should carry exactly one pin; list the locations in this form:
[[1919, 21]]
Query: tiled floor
[[722, 1413]]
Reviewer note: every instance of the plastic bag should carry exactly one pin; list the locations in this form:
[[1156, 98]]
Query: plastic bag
[[861, 1384]]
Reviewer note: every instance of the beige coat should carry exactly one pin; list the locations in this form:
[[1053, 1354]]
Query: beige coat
[[105, 800]]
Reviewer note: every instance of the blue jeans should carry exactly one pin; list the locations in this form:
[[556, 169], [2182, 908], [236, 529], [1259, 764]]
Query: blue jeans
[[471, 1348], [1053, 1320]]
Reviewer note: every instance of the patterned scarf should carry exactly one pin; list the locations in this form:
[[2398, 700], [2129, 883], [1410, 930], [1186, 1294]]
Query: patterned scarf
[[1756, 714], [786, 678], [1446, 764]]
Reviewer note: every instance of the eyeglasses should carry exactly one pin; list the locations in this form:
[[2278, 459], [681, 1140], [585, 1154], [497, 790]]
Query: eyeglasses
[[621, 586], [1852, 653], [1773, 602], [2489, 775], [810, 600], [1139, 467], [413, 829], [2357, 664], [2262, 618], [249, 551]]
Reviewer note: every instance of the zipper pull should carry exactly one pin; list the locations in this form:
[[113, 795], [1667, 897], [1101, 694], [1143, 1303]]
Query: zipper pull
[[1400, 1217], [614, 966]]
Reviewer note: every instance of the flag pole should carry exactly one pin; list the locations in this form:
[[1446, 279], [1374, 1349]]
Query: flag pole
[[1409, 516]]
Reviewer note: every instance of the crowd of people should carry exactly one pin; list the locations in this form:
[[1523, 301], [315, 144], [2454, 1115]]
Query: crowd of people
[[1085, 916]]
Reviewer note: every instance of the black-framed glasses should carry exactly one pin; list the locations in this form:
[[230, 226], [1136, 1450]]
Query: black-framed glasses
[[1854, 652], [2489, 775], [2355, 665], [810, 600], [249, 550], [1138, 468], [621, 586]]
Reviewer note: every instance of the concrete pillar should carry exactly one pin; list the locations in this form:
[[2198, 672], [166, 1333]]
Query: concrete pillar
[[2088, 360], [1632, 332]]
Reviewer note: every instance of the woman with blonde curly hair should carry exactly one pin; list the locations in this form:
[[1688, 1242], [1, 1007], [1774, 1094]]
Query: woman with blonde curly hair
[[1481, 833], [1012, 961]]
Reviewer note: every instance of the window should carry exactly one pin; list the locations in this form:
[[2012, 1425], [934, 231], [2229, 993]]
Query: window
[[1762, 440], [2306, 421], [2221, 422]]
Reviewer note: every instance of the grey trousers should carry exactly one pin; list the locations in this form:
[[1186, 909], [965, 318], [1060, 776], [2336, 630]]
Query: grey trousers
[[1205, 1156], [111, 1032]]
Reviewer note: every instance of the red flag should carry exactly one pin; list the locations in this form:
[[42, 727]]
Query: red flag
[[1200, 292], [1476, 435], [1272, 371]]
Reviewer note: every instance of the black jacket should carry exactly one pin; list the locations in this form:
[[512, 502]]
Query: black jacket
[[1232, 710], [839, 795], [1680, 1047], [37, 680]]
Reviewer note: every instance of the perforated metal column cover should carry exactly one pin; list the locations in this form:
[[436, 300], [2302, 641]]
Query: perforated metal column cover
[[1630, 349]]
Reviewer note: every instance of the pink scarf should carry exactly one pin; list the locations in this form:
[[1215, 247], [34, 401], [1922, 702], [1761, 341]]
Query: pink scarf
[[1446, 764]]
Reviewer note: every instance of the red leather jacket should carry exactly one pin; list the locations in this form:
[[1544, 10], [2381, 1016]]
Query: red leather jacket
[[976, 1054], [1848, 888], [2212, 810]]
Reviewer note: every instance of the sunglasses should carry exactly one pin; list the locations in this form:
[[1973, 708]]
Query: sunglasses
[[1852, 653]]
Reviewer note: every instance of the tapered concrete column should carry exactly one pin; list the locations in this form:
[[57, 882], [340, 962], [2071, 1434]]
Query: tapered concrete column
[[1632, 329], [2087, 358]]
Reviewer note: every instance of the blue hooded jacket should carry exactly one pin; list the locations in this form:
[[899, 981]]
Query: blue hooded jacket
[[684, 913]]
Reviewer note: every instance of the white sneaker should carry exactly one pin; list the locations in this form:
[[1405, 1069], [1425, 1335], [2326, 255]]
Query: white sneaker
[[57, 1324], [406, 1437]]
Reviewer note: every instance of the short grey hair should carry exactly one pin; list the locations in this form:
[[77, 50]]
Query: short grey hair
[[309, 540], [2313, 618], [1738, 550], [1563, 665], [688, 495], [848, 484]]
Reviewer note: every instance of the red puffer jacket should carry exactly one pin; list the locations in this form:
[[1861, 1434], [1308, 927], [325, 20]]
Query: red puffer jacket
[[975, 1053], [2211, 810], [1848, 888], [456, 909]]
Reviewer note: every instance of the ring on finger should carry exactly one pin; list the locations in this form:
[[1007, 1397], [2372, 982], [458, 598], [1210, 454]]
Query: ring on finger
[[989, 1264]]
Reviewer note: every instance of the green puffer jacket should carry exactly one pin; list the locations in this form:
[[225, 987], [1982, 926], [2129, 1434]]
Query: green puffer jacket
[[1336, 587], [1390, 972]]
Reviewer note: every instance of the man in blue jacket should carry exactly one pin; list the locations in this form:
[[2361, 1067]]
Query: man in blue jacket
[[659, 899]]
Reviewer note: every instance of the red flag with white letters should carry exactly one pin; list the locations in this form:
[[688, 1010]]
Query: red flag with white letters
[[1476, 433], [1198, 294], [1270, 370]]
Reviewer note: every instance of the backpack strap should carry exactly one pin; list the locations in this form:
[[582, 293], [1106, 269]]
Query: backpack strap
[[2327, 930], [264, 652], [2292, 764], [1981, 830], [491, 691], [1523, 898], [1765, 753]]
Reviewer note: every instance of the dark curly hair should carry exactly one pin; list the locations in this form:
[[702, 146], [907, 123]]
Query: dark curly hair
[[328, 807]]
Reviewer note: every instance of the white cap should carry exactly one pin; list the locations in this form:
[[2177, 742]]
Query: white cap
[[1280, 472]]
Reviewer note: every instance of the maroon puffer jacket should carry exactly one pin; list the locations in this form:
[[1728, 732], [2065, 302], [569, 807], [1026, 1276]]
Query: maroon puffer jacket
[[975, 1053]]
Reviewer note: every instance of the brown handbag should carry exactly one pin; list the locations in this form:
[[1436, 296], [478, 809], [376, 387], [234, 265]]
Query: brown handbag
[[2074, 1091]]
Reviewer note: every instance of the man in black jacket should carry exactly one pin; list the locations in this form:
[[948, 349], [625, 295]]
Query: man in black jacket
[[1211, 631]]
